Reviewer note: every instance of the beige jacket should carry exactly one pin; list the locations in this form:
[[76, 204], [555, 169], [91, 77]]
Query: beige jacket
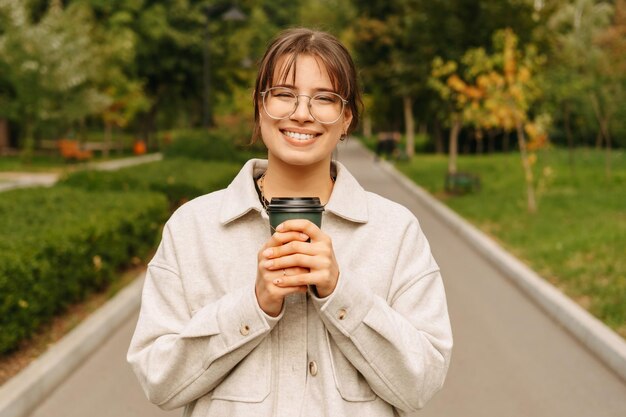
[[378, 346]]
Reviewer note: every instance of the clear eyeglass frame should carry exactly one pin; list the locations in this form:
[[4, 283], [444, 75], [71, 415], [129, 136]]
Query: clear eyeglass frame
[[297, 103]]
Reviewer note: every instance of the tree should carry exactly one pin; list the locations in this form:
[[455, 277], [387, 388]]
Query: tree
[[582, 78], [396, 41], [50, 68], [390, 45], [612, 92], [495, 90], [450, 87], [511, 95]]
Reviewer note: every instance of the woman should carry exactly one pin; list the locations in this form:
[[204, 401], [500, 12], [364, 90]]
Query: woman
[[350, 320]]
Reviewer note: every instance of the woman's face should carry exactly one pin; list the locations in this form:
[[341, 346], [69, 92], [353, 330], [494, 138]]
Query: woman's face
[[299, 139]]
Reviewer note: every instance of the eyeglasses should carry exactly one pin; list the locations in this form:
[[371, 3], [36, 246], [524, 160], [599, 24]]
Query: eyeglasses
[[281, 102]]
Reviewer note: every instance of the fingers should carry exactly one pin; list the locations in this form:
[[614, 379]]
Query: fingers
[[280, 238], [302, 226], [299, 280], [295, 260], [270, 296], [290, 248], [288, 263], [279, 292]]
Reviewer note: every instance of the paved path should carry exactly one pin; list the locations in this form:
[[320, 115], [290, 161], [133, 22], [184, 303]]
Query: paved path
[[12, 180], [509, 358]]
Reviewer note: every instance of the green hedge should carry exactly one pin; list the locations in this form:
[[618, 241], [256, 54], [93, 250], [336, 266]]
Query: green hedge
[[213, 145], [179, 179], [58, 244]]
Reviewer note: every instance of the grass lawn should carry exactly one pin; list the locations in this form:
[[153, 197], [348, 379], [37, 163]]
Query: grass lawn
[[37, 164], [577, 240]]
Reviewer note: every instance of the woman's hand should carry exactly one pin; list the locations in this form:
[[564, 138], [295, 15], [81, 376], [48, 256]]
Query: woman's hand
[[270, 296], [305, 263]]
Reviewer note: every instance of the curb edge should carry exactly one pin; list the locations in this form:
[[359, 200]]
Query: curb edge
[[21, 394], [596, 336]]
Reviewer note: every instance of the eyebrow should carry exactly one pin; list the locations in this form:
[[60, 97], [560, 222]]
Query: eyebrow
[[293, 87]]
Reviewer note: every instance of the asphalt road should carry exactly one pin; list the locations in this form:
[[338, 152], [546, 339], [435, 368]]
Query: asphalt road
[[509, 359]]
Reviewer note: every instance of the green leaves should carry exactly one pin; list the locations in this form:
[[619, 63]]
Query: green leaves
[[58, 244], [51, 66]]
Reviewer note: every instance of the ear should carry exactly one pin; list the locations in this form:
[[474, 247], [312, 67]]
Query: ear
[[347, 119]]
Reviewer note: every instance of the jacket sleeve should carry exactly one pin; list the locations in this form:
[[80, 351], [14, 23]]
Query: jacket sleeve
[[179, 355], [401, 345]]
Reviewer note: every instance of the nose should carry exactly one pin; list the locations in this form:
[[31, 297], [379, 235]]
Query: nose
[[302, 112]]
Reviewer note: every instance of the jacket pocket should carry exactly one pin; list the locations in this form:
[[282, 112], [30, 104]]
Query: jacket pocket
[[351, 385], [250, 381]]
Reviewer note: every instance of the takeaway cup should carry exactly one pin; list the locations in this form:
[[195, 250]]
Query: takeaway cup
[[281, 209]]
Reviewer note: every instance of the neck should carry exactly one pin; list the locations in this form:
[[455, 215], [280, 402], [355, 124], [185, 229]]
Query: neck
[[283, 180]]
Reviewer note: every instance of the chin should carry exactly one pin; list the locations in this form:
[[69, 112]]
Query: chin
[[297, 158]]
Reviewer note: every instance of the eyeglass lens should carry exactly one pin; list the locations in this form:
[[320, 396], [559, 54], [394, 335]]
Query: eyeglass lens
[[281, 103]]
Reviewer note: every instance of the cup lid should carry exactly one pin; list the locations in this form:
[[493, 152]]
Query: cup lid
[[295, 204]]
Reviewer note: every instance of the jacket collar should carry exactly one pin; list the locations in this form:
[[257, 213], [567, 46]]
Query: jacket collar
[[348, 199]]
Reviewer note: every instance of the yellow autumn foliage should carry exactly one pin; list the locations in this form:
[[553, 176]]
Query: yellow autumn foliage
[[456, 83], [523, 75], [473, 92]]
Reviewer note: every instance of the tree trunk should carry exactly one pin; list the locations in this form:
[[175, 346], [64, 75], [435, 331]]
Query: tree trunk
[[466, 147], [4, 135], [479, 141], [528, 172], [596, 110], [491, 142], [439, 146], [28, 143], [108, 138], [410, 126], [454, 143], [599, 138], [82, 130], [506, 142], [570, 137], [149, 127], [118, 139], [607, 166], [603, 121], [367, 126]]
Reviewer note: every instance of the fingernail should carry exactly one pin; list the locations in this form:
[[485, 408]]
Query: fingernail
[[268, 264], [268, 252], [304, 237], [280, 227]]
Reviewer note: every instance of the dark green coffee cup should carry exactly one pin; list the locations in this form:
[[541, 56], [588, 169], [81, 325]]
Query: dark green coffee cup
[[281, 209]]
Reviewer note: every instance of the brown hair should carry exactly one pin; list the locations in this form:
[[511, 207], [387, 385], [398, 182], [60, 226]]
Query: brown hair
[[335, 57]]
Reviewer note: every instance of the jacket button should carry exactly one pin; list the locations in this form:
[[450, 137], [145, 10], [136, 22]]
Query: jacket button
[[313, 368], [244, 330], [341, 314]]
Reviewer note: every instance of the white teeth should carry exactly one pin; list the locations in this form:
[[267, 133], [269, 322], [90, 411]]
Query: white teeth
[[299, 136]]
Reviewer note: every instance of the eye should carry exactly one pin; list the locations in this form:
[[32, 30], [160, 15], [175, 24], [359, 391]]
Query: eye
[[283, 93], [326, 98]]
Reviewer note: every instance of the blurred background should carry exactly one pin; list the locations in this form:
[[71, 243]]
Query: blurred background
[[512, 112]]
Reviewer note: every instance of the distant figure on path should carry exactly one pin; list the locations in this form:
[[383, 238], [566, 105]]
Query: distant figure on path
[[387, 144], [346, 320]]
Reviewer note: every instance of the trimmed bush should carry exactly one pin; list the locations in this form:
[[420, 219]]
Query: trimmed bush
[[59, 244], [179, 179], [213, 145]]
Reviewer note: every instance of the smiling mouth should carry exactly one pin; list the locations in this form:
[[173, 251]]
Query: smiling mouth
[[299, 136]]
